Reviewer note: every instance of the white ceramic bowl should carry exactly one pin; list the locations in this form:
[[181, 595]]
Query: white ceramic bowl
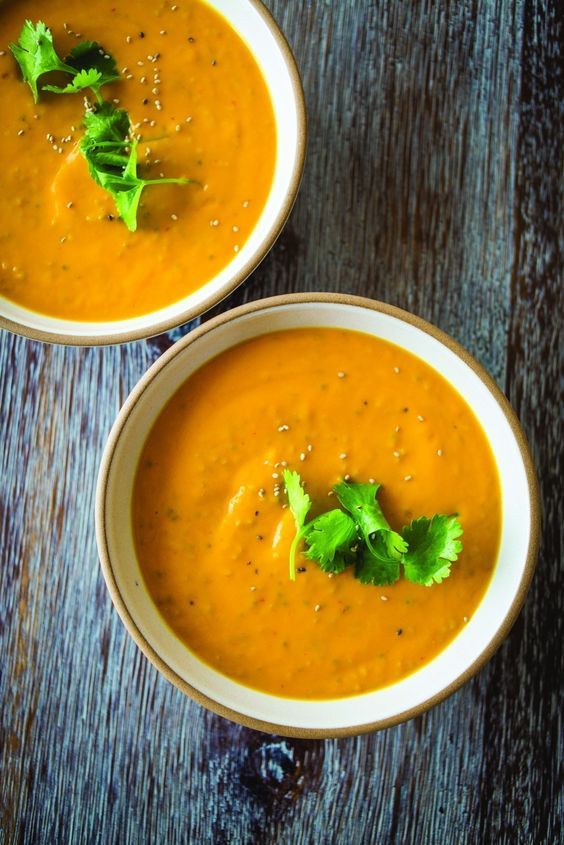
[[258, 29], [410, 696]]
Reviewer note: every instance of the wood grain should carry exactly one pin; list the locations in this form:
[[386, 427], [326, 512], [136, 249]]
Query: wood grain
[[433, 181]]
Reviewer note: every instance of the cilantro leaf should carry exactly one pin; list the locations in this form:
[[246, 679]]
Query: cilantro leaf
[[111, 155], [433, 546], [35, 53], [329, 538], [377, 570], [300, 504], [83, 79], [360, 500]]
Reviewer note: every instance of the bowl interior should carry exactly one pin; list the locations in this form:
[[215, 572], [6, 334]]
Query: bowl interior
[[488, 622], [264, 40]]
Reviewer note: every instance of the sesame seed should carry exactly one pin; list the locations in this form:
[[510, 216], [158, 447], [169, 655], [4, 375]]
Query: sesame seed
[[155, 91], [70, 204], [129, 76], [162, 32], [343, 455], [129, 39], [383, 598], [214, 222], [396, 369], [21, 132], [407, 477], [283, 463], [465, 618], [302, 456], [420, 418], [283, 427], [341, 374], [152, 123], [178, 127], [372, 481], [143, 80], [276, 475], [397, 454], [347, 477], [396, 429], [174, 217], [173, 8], [235, 228], [158, 105], [246, 204], [277, 492], [253, 589], [440, 453], [236, 248], [63, 239], [36, 117], [189, 119], [262, 492], [140, 63], [309, 447], [2, 52], [317, 608]]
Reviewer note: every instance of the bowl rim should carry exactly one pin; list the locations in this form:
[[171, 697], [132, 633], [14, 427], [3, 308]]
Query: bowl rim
[[254, 260], [505, 624]]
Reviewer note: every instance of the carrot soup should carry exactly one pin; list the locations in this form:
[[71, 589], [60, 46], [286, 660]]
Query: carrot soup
[[199, 110], [214, 526]]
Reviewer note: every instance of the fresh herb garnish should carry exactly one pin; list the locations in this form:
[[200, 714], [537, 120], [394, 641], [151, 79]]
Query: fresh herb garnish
[[111, 154], [364, 538], [108, 145], [88, 63]]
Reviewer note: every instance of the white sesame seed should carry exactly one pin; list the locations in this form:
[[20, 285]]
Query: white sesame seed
[[347, 477], [235, 228], [2, 52], [140, 63], [253, 589], [70, 204], [162, 32], [155, 91], [396, 429], [36, 117], [116, 101], [407, 477], [309, 447], [189, 119], [152, 123], [383, 598], [143, 80], [396, 454], [173, 8], [129, 76], [372, 481], [341, 374], [276, 475], [174, 217], [465, 618], [440, 453], [63, 239], [246, 204], [396, 369], [158, 105], [21, 132], [178, 127], [283, 463], [236, 248], [129, 39], [420, 418], [317, 608], [277, 492], [343, 455], [214, 222], [283, 427], [302, 456]]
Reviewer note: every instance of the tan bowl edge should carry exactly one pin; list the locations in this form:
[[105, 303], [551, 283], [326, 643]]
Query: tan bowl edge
[[534, 499], [253, 262]]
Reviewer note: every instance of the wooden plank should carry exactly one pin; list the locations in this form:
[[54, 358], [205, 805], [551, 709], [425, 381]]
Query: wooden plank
[[432, 182]]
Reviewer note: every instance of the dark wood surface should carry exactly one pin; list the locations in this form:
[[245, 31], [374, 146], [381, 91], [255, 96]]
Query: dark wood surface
[[434, 182]]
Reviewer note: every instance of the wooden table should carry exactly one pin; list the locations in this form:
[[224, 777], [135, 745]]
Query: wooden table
[[433, 182]]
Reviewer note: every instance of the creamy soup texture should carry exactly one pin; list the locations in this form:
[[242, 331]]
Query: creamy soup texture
[[213, 537], [199, 102]]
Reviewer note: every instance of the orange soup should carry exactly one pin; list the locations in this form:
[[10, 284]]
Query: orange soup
[[213, 530], [199, 103]]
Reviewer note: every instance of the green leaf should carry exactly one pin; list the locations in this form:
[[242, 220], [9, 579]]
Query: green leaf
[[111, 155], [300, 504], [360, 500], [35, 53], [83, 79], [329, 538], [433, 546], [376, 570], [88, 56]]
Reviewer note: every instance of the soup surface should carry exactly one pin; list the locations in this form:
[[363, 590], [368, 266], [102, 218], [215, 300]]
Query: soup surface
[[213, 535], [198, 100]]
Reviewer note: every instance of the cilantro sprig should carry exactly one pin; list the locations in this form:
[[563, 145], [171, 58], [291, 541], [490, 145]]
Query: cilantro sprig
[[88, 63], [360, 536], [110, 151], [108, 145]]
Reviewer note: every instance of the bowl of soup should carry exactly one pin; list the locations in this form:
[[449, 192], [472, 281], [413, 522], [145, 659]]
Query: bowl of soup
[[213, 98], [196, 525]]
